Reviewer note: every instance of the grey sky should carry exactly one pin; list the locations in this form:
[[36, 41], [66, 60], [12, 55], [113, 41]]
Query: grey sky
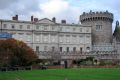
[[61, 9]]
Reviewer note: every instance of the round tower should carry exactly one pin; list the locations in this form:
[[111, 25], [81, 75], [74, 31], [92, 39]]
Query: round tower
[[101, 23]]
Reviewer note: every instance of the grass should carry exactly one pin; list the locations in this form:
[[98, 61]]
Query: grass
[[63, 74]]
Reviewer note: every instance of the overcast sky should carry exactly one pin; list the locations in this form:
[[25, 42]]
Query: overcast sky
[[61, 9]]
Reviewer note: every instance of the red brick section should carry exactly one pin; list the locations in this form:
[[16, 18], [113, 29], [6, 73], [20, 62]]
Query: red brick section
[[15, 18]]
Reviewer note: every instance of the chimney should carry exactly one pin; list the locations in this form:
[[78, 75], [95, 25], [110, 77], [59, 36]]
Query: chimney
[[35, 19], [15, 18], [32, 18], [63, 21], [54, 19]]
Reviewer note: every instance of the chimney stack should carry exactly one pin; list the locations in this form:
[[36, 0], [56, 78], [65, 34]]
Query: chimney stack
[[35, 19], [54, 19], [32, 18], [63, 21], [15, 18]]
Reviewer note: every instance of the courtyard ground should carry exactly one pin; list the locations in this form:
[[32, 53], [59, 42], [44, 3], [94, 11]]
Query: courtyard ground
[[63, 74]]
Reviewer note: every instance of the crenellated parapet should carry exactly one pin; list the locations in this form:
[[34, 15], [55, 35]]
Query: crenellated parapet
[[94, 16]]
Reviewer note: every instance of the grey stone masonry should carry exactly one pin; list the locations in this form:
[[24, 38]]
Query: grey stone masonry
[[101, 23]]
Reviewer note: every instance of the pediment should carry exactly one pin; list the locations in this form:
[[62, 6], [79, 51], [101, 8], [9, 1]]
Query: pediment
[[46, 21]]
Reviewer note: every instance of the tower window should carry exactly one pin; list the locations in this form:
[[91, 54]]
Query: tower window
[[98, 27]]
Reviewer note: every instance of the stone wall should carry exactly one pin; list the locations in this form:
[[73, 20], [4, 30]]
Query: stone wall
[[101, 23]]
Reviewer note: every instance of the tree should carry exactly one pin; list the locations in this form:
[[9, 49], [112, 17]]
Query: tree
[[116, 33], [14, 52]]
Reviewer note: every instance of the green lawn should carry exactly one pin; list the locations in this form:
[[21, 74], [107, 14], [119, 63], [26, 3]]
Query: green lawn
[[61, 74]]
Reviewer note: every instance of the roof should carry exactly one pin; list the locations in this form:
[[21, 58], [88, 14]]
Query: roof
[[45, 21]]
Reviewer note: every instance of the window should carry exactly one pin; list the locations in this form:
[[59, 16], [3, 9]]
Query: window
[[60, 28], [37, 38], [67, 49], [53, 48], [21, 26], [45, 38], [98, 27], [13, 26], [67, 29], [45, 27], [4, 26], [45, 48], [74, 38], [74, 49], [87, 36], [74, 29], [20, 36], [81, 49], [88, 39], [53, 38], [87, 30], [28, 38], [67, 38], [81, 40], [37, 48], [37, 27], [88, 49], [61, 39], [80, 29], [60, 49], [53, 27], [28, 26]]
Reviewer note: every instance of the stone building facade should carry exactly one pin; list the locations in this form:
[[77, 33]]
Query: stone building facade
[[46, 36], [52, 40]]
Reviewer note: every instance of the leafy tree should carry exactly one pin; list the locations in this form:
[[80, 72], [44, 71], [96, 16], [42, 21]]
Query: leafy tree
[[14, 52]]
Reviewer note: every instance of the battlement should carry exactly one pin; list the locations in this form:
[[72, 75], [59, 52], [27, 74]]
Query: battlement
[[93, 16]]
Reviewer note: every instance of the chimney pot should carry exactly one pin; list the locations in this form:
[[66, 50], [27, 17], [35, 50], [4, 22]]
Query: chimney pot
[[17, 17], [54, 19], [32, 18]]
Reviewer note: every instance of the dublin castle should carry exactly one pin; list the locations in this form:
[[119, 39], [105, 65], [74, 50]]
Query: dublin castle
[[92, 37]]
